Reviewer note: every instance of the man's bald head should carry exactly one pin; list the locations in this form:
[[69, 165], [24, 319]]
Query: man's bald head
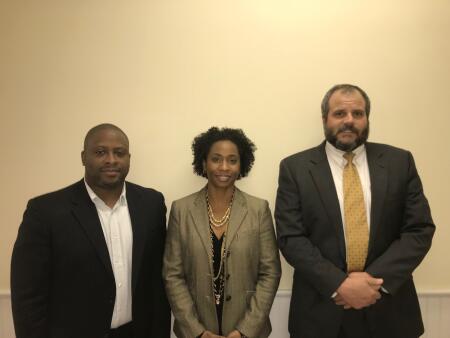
[[104, 126]]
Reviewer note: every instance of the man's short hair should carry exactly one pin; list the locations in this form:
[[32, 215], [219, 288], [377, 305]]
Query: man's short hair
[[103, 126], [346, 88]]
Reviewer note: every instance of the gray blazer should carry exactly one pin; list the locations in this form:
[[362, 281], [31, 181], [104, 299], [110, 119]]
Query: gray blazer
[[252, 267]]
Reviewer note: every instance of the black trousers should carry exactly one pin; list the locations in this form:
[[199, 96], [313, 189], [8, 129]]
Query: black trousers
[[124, 331], [354, 325]]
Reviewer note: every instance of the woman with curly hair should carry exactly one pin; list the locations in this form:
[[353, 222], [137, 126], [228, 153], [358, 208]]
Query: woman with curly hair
[[221, 263]]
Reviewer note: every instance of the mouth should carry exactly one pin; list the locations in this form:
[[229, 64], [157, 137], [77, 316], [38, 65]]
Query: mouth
[[110, 172], [347, 132], [223, 178]]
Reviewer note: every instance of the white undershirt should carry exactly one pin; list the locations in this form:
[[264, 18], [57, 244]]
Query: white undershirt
[[337, 163], [116, 226]]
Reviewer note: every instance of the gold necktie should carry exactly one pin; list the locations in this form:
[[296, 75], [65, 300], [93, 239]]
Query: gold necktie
[[356, 228]]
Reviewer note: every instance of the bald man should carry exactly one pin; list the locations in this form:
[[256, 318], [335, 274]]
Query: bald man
[[87, 260]]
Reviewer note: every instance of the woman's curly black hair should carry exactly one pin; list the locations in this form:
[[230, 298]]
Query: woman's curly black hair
[[203, 142]]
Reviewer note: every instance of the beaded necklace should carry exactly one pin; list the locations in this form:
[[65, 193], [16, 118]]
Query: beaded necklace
[[213, 222]]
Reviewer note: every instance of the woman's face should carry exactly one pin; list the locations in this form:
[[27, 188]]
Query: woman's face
[[223, 164]]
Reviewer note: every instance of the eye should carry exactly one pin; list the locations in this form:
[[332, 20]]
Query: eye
[[100, 152], [358, 113], [215, 159], [120, 152], [339, 113], [233, 160]]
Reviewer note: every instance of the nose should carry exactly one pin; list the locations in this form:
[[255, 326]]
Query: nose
[[348, 118], [223, 165], [110, 157]]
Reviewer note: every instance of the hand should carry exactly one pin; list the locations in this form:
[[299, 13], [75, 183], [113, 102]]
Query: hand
[[209, 334], [358, 290], [375, 283], [234, 334]]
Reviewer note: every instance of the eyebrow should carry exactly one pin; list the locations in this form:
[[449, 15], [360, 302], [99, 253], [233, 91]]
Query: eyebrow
[[217, 154]]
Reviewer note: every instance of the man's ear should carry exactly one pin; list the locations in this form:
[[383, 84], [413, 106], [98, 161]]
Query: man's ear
[[82, 158]]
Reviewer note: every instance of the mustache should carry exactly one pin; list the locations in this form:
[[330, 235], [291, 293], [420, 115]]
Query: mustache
[[348, 128]]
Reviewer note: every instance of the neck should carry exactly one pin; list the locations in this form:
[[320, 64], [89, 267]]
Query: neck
[[109, 196], [220, 196]]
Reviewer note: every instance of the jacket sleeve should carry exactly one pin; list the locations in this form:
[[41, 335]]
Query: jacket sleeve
[[269, 274], [30, 275], [293, 239], [159, 317], [396, 264], [178, 293]]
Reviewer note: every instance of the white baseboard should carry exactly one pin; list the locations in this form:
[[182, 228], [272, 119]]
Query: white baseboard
[[435, 306]]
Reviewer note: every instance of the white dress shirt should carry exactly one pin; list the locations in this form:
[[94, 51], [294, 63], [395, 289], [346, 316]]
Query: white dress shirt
[[116, 226]]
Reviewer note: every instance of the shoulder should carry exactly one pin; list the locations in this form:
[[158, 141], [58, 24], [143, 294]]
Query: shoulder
[[252, 201], [305, 155], [144, 192], [394, 154], [189, 200], [57, 202], [58, 196], [381, 147]]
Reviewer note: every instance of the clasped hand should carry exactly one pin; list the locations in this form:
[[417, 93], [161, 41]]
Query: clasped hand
[[358, 290]]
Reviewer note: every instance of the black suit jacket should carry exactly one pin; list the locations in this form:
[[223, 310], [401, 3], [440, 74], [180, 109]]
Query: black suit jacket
[[311, 238], [62, 283]]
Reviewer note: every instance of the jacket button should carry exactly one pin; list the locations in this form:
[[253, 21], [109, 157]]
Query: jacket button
[[228, 276], [228, 253], [228, 298]]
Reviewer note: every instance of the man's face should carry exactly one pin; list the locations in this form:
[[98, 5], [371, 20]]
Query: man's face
[[346, 125], [106, 159]]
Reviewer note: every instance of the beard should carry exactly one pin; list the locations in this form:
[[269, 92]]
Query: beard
[[331, 137]]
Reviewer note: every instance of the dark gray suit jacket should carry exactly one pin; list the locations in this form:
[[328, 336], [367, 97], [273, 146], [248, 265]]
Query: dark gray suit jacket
[[62, 283], [311, 238]]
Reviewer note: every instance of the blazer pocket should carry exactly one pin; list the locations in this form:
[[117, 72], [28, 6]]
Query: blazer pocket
[[247, 232], [248, 296]]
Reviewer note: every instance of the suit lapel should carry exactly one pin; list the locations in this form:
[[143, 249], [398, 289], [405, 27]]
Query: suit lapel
[[323, 180], [378, 184], [139, 226], [199, 217], [85, 212], [238, 212]]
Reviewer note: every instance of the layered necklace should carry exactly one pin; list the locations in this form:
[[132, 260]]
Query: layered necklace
[[218, 280], [218, 223]]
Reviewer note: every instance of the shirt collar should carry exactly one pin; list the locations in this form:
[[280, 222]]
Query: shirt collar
[[337, 156], [99, 202]]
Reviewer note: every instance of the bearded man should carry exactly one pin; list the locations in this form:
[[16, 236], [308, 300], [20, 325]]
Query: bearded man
[[353, 221]]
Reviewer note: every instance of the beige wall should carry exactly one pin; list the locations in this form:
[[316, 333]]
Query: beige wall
[[166, 70]]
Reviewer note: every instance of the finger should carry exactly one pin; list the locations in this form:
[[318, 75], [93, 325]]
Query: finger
[[375, 281], [375, 287], [338, 298]]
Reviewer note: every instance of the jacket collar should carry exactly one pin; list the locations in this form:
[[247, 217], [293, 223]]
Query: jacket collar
[[86, 214], [199, 215]]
